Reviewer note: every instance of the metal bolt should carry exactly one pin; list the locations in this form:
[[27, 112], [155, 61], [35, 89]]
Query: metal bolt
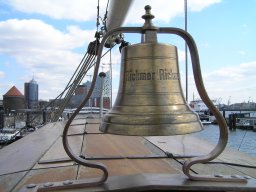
[[218, 175], [32, 185], [67, 182], [48, 184]]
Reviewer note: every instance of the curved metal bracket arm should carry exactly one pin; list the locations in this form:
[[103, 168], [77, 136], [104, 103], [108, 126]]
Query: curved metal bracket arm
[[223, 137], [65, 142]]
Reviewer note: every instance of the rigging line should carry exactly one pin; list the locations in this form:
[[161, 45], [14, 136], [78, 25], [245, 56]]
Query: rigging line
[[92, 64], [242, 140], [110, 64], [72, 88], [81, 62], [52, 102], [87, 69], [106, 12], [97, 22], [60, 95], [74, 84], [81, 152], [105, 17], [88, 62], [42, 110], [69, 95], [88, 65], [83, 67], [69, 85], [231, 164], [186, 49], [40, 168], [168, 154]]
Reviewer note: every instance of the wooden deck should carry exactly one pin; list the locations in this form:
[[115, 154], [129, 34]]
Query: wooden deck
[[40, 159]]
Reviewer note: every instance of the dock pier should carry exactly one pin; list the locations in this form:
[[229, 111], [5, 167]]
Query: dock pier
[[242, 121]]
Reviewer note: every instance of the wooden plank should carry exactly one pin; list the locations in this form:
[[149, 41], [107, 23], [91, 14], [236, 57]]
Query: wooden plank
[[23, 154], [106, 145], [93, 128], [189, 145], [57, 152], [181, 145], [115, 145], [76, 129], [7, 182], [123, 167], [95, 120]]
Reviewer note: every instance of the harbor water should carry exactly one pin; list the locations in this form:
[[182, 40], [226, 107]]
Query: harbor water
[[240, 139]]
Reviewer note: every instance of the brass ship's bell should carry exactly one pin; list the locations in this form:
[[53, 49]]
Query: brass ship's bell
[[150, 99]]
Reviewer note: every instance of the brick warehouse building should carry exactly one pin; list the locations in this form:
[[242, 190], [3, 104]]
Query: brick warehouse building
[[13, 100]]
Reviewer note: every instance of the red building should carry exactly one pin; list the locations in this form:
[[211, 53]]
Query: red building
[[13, 100]]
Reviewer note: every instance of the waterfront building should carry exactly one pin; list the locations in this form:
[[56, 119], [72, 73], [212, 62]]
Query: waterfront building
[[31, 94], [1, 114], [94, 100], [13, 100], [95, 97], [77, 98]]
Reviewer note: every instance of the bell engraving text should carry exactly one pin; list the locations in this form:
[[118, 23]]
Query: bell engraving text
[[161, 74]]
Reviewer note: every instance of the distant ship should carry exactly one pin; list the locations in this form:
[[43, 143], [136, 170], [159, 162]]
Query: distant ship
[[203, 111]]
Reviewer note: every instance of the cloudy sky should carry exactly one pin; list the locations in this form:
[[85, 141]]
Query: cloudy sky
[[48, 38]]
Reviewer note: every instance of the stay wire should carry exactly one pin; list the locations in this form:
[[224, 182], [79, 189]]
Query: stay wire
[[98, 15], [106, 12], [240, 145], [87, 62], [81, 63]]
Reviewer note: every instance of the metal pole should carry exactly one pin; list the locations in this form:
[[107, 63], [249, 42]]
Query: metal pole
[[101, 98], [186, 49], [102, 75], [111, 80], [90, 99]]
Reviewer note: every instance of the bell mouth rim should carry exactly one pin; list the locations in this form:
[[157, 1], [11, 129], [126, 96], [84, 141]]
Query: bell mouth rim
[[151, 130]]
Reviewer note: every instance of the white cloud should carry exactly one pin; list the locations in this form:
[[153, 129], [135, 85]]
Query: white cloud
[[165, 10], [82, 10], [234, 82], [44, 50], [32, 33], [79, 10], [198, 5]]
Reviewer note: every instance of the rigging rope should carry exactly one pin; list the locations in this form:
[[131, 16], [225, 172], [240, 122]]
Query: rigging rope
[[98, 15], [242, 141], [87, 62], [105, 17]]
